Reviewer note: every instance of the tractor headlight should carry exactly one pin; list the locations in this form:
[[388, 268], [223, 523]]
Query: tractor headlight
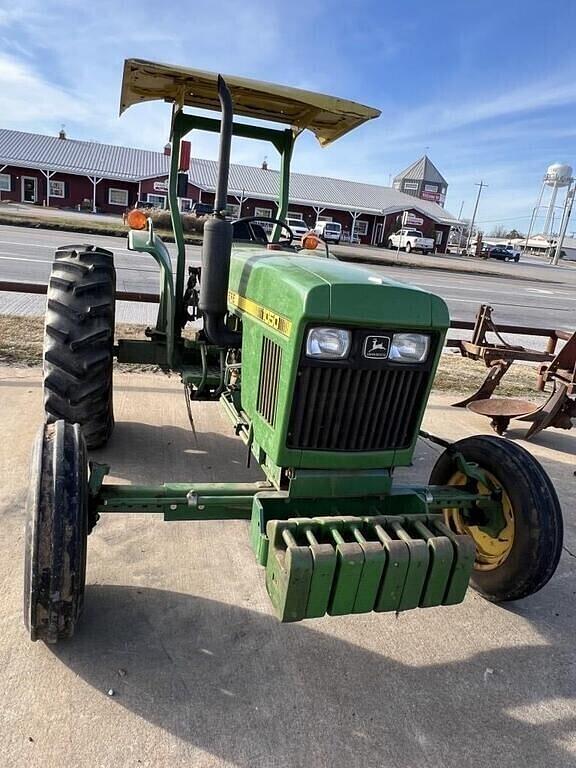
[[409, 347], [328, 343]]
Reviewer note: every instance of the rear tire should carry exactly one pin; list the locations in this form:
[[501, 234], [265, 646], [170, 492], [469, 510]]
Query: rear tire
[[390, 244], [78, 341], [408, 248], [56, 529], [533, 545]]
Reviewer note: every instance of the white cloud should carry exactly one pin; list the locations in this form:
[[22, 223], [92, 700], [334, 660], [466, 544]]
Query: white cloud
[[448, 116], [26, 98]]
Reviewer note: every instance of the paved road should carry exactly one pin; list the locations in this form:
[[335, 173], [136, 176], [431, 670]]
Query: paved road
[[178, 624], [25, 254]]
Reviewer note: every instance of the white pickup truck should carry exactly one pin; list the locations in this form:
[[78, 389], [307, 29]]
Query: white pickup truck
[[411, 240]]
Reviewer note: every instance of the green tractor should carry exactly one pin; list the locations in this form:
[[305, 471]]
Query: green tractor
[[324, 370]]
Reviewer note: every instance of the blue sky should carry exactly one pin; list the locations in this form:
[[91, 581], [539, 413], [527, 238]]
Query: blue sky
[[487, 88]]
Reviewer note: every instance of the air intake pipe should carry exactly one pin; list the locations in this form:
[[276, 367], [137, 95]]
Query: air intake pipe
[[217, 245]]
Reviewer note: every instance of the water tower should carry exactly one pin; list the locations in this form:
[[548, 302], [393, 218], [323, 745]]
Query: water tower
[[558, 176]]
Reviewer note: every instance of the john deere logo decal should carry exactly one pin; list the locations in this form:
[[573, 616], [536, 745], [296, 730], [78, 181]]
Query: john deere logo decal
[[376, 347]]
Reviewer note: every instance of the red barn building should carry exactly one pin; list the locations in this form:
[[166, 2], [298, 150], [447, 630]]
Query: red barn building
[[63, 172]]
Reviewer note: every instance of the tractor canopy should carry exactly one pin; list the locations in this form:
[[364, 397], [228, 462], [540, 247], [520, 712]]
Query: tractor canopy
[[328, 117]]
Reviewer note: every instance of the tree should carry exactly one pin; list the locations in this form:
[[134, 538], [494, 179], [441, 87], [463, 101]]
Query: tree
[[499, 231], [514, 234]]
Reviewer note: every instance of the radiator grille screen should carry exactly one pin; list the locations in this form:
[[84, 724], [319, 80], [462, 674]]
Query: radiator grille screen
[[270, 364], [356, 409]]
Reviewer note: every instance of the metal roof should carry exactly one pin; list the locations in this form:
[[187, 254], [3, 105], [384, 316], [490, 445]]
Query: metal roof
[[84, 158], [328, 117], [422, 170], [321, 191], [87, 158]]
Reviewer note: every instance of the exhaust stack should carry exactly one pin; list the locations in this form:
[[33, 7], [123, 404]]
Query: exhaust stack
[[217, 245]]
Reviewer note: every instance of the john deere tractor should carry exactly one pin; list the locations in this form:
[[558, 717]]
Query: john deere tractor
[[324, 370]]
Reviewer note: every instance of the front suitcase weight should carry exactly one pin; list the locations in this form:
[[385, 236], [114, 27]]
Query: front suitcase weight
[[288, 572], [374, 562]]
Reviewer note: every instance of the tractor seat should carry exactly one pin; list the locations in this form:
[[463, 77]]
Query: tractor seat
[[249, 232]]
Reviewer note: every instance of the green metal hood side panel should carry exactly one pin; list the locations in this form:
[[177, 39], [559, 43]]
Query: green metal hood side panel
[[278, 282], [305, 289]]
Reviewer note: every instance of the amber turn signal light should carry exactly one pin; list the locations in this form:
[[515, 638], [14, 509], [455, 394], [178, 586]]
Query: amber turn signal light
[[310, 241], [136, 219]]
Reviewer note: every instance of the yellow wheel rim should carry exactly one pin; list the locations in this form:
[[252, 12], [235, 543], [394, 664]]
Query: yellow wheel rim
[[491, 551]]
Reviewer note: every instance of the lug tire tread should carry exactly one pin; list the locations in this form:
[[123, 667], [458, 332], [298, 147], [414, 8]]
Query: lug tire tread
[[78, 341]]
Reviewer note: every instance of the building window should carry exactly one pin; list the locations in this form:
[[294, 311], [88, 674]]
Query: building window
[[118, 197], [295, 215], [233, 210], [159, 201], [265, 213], [430, 188], [185, 204], [411, 185], [361, 228], [56, 188], [5, 185]]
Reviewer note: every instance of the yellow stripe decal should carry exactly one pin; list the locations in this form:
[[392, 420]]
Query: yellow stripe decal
[[279, 323]]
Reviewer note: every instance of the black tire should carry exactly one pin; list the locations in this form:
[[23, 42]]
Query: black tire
[[79, 341], [408, 248], [538, 529], [56, 531], [390, 244], [516, 259]]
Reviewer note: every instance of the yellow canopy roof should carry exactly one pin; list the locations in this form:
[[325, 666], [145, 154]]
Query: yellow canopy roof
[[326, 116]]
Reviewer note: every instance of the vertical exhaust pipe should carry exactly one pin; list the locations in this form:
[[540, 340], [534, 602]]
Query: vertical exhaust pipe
[[217, 245]]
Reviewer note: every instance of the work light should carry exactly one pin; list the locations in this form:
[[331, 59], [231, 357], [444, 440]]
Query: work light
[[328, 343], [409, 347]]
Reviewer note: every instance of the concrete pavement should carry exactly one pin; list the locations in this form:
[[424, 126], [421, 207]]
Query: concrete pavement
[[178, 625]]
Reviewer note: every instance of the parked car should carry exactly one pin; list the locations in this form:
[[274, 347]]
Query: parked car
[[298, 226], [202, 209], [411, 240], [514, 252], [329, 231], [504, 253], [473, 250]]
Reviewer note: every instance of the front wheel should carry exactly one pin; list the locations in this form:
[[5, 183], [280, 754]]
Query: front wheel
[[408, 248], [522, 556], [57, 524], [390, 244]]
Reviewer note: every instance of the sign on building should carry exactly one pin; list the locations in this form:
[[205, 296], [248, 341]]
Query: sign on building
[[434, 197], [411, 220], [160, 186]]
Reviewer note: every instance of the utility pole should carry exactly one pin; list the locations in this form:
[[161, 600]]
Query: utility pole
[[480, 186], [461, 228], [565, 221]]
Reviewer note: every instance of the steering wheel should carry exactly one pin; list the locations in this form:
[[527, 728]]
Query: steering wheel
[[261, 220]]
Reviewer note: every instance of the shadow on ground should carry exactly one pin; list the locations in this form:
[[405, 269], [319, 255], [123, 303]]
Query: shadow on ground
[[256, 693]]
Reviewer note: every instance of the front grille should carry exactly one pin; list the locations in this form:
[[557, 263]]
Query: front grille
[[270, 363], [356, 409]]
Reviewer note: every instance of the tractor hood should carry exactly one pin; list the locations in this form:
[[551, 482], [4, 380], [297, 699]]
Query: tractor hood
[[303, 288]]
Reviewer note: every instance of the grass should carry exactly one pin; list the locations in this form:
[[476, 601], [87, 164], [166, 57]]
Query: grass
[[21, 341], [21, 345], [192, 236]]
